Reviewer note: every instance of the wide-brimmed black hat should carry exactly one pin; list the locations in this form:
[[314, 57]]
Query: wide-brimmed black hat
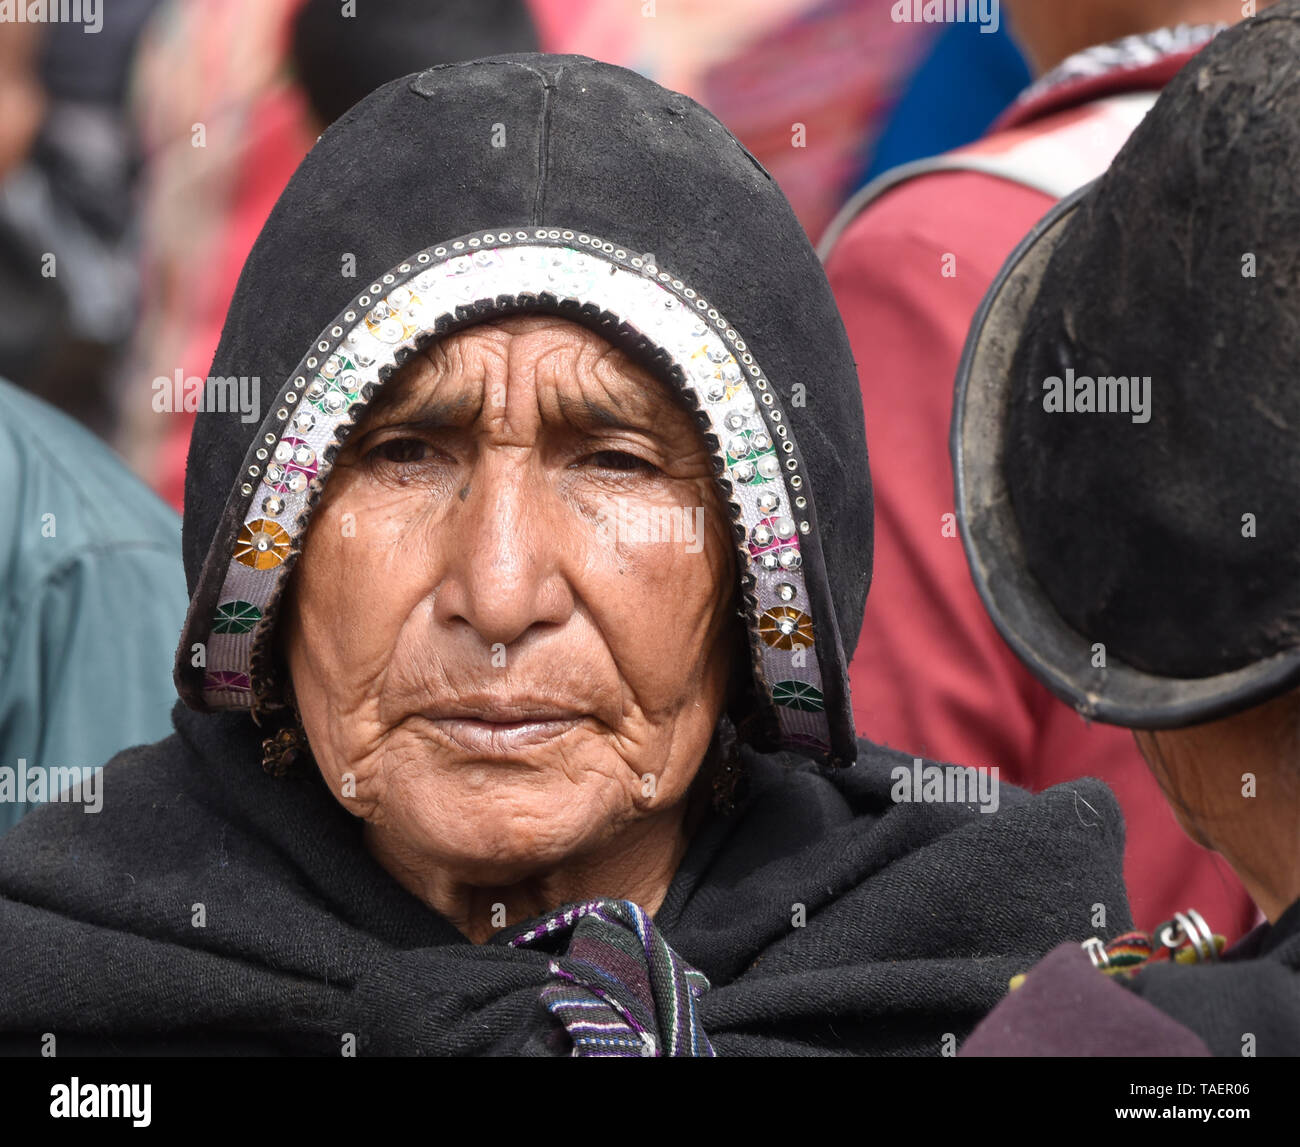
[[1127, 412]]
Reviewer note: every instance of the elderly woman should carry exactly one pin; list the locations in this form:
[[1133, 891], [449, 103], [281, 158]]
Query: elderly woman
[[1125, 444], [532, 587]]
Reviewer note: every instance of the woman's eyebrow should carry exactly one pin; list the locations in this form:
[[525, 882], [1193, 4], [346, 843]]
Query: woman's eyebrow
[[428, 413], [589, 413]]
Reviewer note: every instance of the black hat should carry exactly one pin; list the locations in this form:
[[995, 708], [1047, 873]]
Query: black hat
[[1128, 412], [559, 184]]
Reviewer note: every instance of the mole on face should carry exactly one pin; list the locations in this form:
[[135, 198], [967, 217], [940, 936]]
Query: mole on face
[[464, 493]]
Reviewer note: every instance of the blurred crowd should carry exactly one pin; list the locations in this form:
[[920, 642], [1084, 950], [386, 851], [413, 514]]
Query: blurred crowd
[[141, 161]]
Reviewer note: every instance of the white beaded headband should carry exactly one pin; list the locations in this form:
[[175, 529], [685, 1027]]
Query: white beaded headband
[[561, 270]]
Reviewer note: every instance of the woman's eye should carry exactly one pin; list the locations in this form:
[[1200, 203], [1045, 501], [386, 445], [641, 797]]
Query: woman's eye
[[401, 451], [618, 460]]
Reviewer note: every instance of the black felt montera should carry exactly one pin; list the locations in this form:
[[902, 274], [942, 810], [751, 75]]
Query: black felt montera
[[525, 142]]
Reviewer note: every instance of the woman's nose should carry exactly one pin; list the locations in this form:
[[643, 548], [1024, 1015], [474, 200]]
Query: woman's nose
[[503, 547]]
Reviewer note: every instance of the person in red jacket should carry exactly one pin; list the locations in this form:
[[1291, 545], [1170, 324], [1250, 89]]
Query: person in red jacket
[[909, 259]]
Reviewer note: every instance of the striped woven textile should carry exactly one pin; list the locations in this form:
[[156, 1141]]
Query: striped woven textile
[[620, 989]]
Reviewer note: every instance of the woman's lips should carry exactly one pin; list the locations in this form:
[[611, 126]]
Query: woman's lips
[[501, 738]]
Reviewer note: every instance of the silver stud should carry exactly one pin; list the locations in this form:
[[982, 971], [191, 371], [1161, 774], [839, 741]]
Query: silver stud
[[272, 505], [786, 592], [784, 528], [768, 503], [790, 559]]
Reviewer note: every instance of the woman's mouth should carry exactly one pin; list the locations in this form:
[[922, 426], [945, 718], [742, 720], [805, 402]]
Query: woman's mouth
[[491, 737]]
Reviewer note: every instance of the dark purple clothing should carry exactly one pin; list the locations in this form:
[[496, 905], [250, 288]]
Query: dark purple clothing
[[1066, 1007]]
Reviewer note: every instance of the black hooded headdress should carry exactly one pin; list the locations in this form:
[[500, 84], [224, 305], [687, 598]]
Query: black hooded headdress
[[536, 183]]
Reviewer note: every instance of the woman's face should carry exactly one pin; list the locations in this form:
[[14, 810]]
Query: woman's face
[[511, 626]]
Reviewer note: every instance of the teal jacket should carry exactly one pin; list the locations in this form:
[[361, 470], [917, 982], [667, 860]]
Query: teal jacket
[[92, 596]]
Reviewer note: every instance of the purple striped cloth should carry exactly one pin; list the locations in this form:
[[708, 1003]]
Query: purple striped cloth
[[620, 989]]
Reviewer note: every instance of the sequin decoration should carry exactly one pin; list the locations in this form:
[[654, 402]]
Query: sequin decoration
[[751, 457], [774, 546], [293, 466], [236, 617], [396, 312], [261, 545], [783, 627], [336, 386], [799, 695]]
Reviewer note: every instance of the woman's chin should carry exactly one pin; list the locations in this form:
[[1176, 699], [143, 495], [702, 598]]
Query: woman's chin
[[502, 841]]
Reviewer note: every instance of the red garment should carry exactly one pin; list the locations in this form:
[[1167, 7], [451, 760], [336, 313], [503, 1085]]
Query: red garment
[[932, 676]]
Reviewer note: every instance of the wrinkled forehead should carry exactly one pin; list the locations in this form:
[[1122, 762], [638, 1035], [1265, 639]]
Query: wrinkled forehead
[[560, 370]]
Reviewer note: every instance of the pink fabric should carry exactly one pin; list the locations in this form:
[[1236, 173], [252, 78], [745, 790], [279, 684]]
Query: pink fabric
[[932, 676], [804, 95], [204, 204]]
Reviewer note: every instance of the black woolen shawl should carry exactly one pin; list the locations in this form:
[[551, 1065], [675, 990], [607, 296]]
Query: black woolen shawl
[[917, 915]]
